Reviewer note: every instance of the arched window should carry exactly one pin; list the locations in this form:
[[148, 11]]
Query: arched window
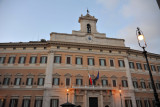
[[88, 28]]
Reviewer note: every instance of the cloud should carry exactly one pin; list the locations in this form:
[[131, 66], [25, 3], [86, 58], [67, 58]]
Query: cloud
[[136, 13]]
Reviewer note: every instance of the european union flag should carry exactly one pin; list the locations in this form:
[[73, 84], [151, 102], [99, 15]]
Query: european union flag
[[97, 76]]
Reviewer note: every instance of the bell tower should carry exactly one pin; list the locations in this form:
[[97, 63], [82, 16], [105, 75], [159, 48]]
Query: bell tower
[[88, 23]]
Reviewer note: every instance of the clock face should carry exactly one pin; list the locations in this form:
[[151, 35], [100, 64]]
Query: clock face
[[89, 38]]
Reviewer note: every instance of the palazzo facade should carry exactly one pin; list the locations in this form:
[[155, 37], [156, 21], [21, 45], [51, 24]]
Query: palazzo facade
[[38, 73]]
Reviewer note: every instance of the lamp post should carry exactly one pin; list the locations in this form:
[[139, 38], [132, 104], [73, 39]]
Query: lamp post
[[120, 96], [67, 94], [141, 40]]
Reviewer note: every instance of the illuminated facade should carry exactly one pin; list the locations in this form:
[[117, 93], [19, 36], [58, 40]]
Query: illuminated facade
[[38, 73]]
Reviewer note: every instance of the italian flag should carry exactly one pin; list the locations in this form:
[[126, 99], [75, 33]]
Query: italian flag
[[90, 78]]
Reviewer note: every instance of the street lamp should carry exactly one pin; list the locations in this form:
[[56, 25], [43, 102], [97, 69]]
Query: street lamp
[[67, 94], [142, 43], [120, 96]]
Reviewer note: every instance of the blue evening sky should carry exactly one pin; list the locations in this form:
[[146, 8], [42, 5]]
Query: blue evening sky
[[32, 20]]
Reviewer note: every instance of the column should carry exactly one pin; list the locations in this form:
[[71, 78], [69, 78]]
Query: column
[[48, 80], [130, 84], [85, 98], [101, 94]]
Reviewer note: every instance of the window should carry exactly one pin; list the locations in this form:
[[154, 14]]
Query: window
[[153, 68], [67, 81], [26, 103], [78, 48], [79, 61], [33, 59], [91, 61], [6, 81], [150, 85], [158, 68], [135, 84], [145, 67], [29, 81], [2, 60], [158, 86], [56, 81], [17, 81], [45, 48], [128, 103], [79, 82], [121, 63], [54, 103], [124, 83], [34, 48], [22, 60], [38, 103], [139, 103], [14, 48], [40, 81], [11, 60], [43, 59], [13, 103], [24, 48], [58, 47], [153, 103], [114, 83], [143, 85], [139, 66], [131, 65], [2, 102], [104, 82], [68, 60], [88, 28], [90, 49], [147, 103], [57, 59], [111, 63], [102, 62]]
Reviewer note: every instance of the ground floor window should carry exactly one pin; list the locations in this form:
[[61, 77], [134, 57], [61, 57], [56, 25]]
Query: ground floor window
[[139, 103], [38, 103], [13, 103], [54, 103], [128, 103], [147, 103], [2, 102], [26, 103]]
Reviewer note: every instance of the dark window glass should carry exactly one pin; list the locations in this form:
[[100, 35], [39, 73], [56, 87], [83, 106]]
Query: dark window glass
[[153, 68], [158, 68], [43, 59], [56, 81], [57, 59], [91, 61], [104, 82], [11, 60], [26, 103], [54, 103], [40, 81], [102, 62], [79, 61], [38, 103], [135, 84], [131, 65], [67, 81], [33, 59], [6, 81], [114, 83], [17, 81], [124, 83], [13, 103], [145, 67], [29, 81], [121, 63], [128, 103], [22, 60], [139, 103], [111, 62], [68, 60], [139, 66], [88, 28], [79, 82], [143, 85], [2, 60]]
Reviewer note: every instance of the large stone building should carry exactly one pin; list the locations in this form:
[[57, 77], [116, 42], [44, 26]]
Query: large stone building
[[38, 73]]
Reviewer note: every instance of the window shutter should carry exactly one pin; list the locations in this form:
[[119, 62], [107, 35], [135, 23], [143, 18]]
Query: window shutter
[[19, 59], [10, 102], [53, 82], [27, 82], [76, 81], [130, 103], [38, 81], [15, 81], [41, 59], [76, 60], [51, 103], [20, 81], [123, 64], [54, 59], [107, 82], [100, 62], [122, 83], [46, 60], [102, 82], [127, 83], [35, 103], [81, 61], [8, 81], [104, 62], [24, 60], [29, 102], [36, 60], [30, 60], [4, 59], [32, 81], [88, 61], [16, 102]]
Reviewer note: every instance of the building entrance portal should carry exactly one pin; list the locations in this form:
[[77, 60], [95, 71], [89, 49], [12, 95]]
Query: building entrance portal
[[93, 102]]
